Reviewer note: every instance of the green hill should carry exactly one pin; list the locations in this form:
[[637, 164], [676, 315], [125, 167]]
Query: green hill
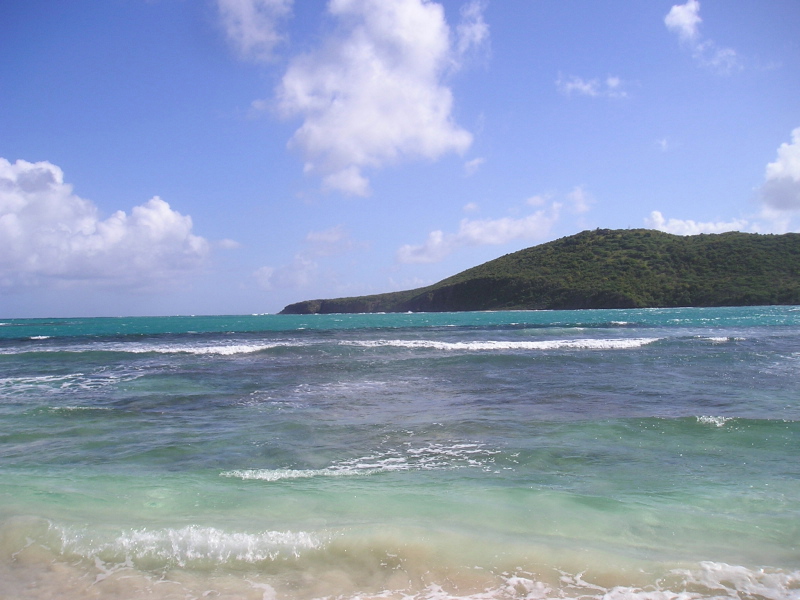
[[605, 268]]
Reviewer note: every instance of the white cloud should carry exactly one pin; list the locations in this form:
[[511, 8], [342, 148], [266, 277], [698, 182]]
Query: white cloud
[[252, 25], [538, 200], [781, 189], [480, 232], [684, 20], [48, 234], [773, 221], [610, 87], [298, 274], [581, 200], [689, 227], [304, 267], [472, 32], [335, 240], [779, 196], [227, 244], [373, 93], [471, 166]]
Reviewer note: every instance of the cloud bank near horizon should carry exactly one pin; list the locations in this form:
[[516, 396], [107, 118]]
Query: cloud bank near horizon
[[49, 235]]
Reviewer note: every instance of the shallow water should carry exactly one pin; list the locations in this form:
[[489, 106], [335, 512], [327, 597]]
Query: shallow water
[[553, 454]]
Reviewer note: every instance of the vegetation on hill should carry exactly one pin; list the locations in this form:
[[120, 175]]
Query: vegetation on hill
[[604, 268]]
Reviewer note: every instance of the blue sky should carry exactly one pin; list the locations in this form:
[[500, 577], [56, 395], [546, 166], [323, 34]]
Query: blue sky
[[233, 156]]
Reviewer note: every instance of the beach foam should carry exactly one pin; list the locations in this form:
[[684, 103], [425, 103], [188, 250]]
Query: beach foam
[[191, 545]]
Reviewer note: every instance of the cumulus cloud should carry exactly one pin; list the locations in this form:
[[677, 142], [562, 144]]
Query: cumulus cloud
[[480, 232], [48, 234], [689, 227], [610, 87], [304, 267], [252, 25], [779, 197], [684, 21], [374, 92], [781, 189]]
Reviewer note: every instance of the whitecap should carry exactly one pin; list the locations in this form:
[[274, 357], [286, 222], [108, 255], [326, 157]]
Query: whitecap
[[716, 421], [721, 339], [222, 350], [433, 456], [282, 474], [580, 344]]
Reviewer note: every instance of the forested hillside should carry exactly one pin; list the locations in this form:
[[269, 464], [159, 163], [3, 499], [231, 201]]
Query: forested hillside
[[607, 269]]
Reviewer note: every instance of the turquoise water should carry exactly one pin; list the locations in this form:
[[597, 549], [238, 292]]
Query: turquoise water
[[553, 454]]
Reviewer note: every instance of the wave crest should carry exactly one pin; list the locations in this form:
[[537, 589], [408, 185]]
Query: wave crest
[[581, 344], [433, 456]]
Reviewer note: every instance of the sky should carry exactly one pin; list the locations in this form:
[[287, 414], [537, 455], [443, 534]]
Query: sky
[[177, 157]]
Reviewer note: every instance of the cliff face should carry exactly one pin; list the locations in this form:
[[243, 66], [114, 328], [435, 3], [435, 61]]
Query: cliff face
[[604, 268]]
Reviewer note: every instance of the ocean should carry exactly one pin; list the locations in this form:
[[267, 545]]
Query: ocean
[[615, 454]]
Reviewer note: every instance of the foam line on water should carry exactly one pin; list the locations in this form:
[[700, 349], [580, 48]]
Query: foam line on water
[[433, 456], [220, 350], [581, 344]]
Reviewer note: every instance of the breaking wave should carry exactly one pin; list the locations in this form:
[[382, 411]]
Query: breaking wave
[[581, 344], [428, 457]]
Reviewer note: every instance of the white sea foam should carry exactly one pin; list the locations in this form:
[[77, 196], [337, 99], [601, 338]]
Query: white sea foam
[[77, 408], [64, 383], [710, 581], [716, 421], [428, 457], [188, 545], [222, 350], [734, 581], [194, 560], [41, 383], [134, 348], [581, 344], [281, 474], [722, 339]]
